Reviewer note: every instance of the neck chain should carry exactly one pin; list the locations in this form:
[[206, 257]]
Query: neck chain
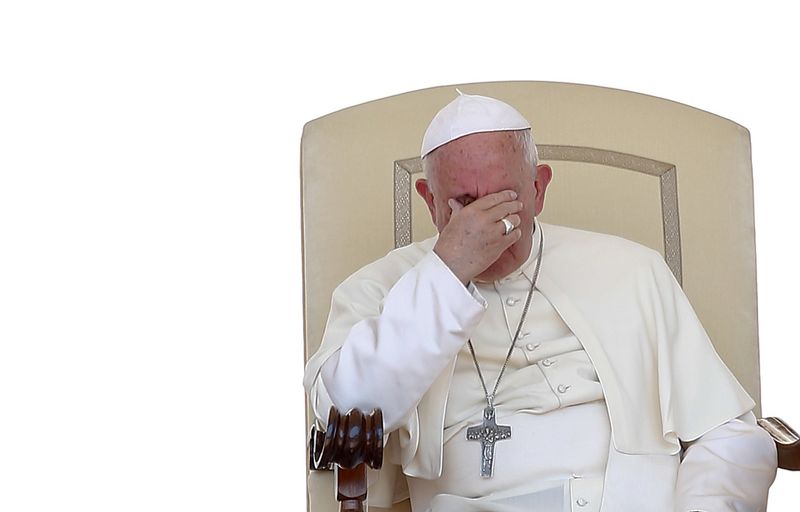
[[489, 431], [490, 397]]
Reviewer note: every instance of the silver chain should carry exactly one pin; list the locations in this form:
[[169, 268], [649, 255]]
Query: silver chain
[[490, 397]]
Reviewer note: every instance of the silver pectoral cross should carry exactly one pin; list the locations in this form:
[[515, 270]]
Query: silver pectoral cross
[[488, 433]]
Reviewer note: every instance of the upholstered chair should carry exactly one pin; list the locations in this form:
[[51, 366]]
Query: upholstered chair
[[667, 175]]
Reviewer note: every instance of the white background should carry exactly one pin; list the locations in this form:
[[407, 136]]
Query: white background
[[150, 282]]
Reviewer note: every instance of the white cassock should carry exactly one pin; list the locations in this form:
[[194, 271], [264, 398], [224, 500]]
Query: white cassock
[[611, 370]]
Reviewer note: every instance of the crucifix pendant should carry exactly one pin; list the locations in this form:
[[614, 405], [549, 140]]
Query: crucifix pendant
[[488, 433]]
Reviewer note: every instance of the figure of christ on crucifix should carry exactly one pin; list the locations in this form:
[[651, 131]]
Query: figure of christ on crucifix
[[488, 433]]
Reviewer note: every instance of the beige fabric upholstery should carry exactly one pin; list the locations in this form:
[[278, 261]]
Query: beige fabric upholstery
[[667, 175]]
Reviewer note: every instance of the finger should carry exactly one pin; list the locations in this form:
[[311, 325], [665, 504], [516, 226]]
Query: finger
[[491, 200], [514, 219], [455, 206], [505, 225], [513, 223], [505, 209], [510, 239]]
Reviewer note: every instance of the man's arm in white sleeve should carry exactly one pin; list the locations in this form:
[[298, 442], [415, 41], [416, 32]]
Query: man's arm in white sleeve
[[728, 469], [395, 347]]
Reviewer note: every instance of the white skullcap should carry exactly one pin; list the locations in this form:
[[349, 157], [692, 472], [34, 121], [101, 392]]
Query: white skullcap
[[468, 114]]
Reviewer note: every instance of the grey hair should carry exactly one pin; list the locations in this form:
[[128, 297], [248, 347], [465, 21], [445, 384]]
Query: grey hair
[[524, 140]]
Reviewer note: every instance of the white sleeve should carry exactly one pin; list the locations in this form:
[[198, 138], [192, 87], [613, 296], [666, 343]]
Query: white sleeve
[[390, 359], [728, 469]]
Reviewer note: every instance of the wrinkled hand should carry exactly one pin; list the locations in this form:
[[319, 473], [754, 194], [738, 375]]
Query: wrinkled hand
[[474, 238]]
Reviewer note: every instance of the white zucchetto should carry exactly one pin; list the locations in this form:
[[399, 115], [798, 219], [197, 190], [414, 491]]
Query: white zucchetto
[[469, 114]]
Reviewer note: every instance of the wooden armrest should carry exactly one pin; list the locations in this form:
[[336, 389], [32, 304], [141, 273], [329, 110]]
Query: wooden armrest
[[787, 441], [350, 443]]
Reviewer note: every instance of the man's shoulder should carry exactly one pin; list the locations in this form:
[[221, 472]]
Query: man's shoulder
[[572, 246], [594, 267]]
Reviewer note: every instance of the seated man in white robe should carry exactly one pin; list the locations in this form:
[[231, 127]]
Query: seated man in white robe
[[527, 366]]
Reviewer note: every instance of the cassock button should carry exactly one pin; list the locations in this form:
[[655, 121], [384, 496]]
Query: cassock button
[[582, 502], [548, 362], [512, 301], [562, 388], [532, 346]]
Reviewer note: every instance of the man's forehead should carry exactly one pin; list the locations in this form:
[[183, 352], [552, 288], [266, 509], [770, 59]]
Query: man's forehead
[[476, 169], [501, 149]]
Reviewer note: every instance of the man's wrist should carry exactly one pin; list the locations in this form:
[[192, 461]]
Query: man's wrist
[[454, 268]]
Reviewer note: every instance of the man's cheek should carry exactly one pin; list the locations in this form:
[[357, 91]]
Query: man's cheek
[[446, 213], [442, 220]]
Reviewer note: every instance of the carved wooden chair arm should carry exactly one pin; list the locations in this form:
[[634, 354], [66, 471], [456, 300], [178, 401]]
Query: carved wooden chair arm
[[786, 440], [350, 443]]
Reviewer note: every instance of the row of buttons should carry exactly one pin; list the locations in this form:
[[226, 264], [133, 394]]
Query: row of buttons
[[562, 388], [530, 347], [546, 362], [513, 301]]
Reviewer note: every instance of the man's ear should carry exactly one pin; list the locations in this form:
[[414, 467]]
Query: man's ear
[[543, 176], [424, 190]]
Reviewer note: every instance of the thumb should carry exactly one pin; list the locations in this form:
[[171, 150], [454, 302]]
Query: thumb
[[455, 206]]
